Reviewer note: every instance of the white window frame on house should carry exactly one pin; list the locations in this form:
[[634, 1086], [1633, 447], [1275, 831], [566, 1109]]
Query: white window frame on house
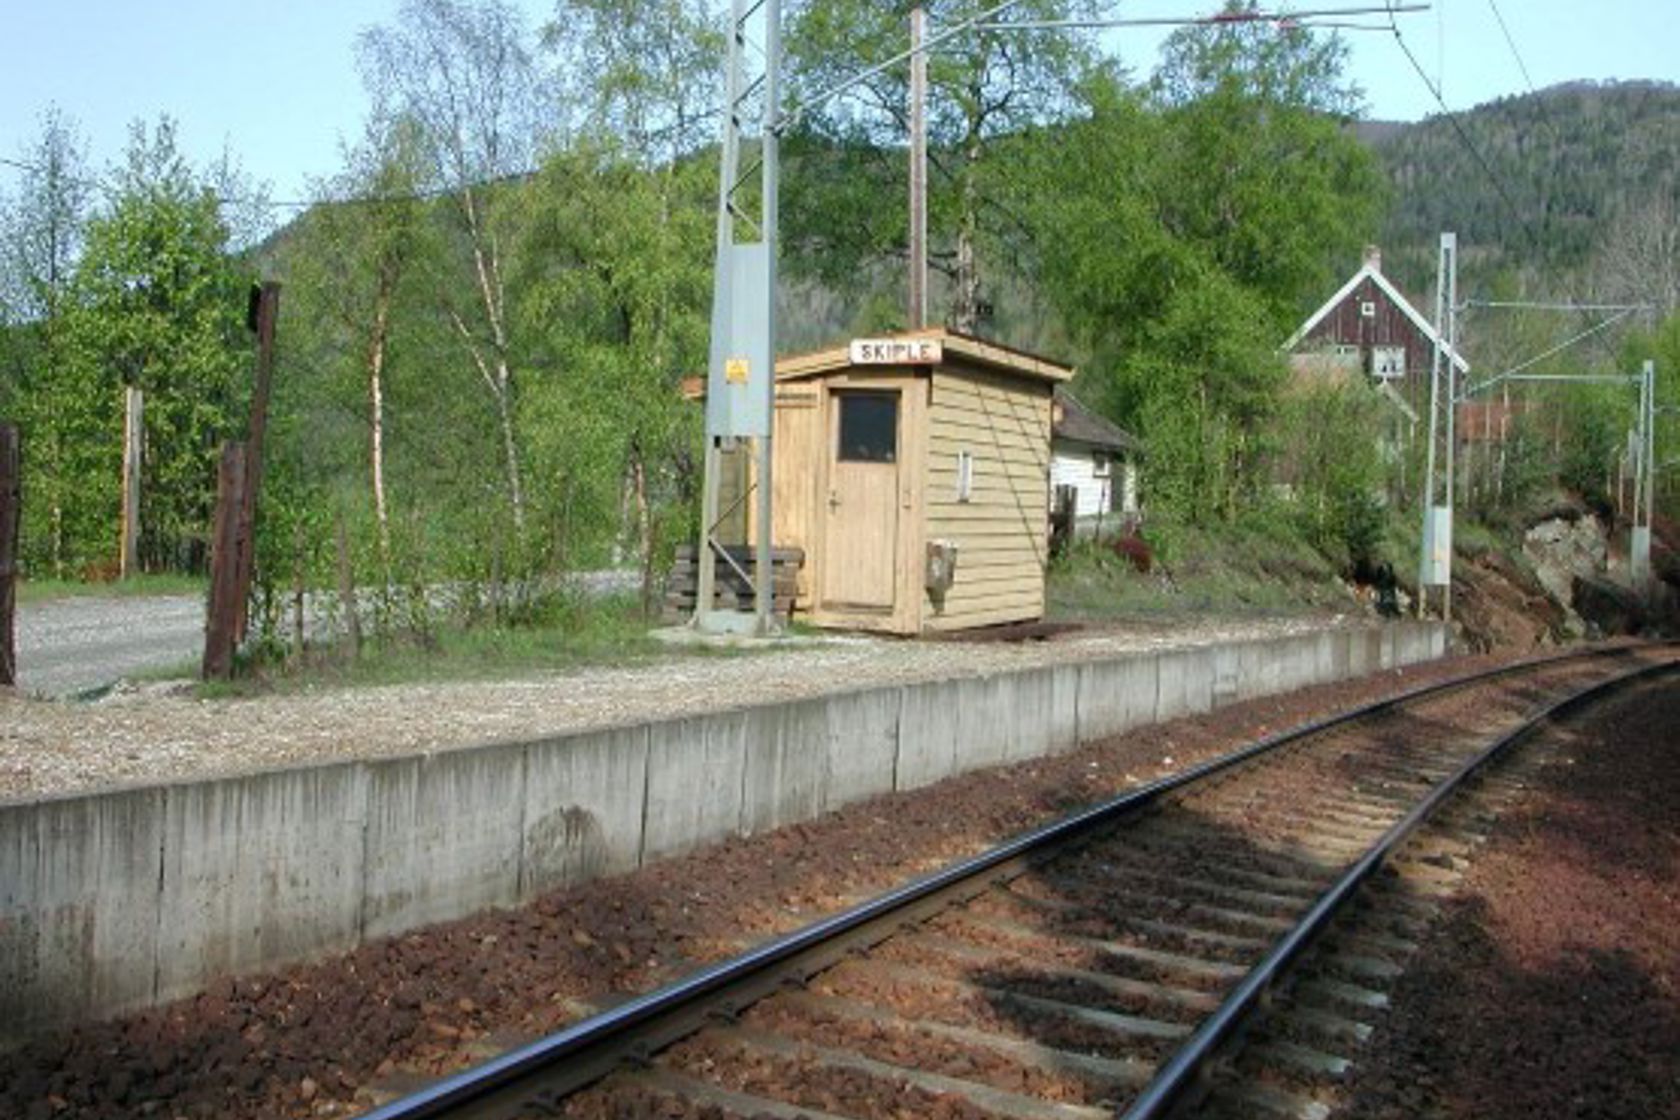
[[1100, 464], [1389, 373]]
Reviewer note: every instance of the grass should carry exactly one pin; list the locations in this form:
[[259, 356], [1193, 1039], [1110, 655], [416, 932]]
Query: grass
[[1254, 569], [566, 633], [47, 590]]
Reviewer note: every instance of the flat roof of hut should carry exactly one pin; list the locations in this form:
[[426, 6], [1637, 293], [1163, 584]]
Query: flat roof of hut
[[913, 471]]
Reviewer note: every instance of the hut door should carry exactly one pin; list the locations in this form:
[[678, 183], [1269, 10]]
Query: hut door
[[860, 539]]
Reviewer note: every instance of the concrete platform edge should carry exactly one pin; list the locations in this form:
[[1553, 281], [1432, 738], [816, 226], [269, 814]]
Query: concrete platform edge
[[113, 901]]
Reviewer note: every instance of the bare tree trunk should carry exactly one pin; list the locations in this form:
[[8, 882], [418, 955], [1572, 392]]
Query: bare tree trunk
[[347, 588], [376, 402], [965, 310], [504, 409], [626, 497], [134, 409], [297, 592], [57, 534], [487, 264], [11, 509], [644, 528]]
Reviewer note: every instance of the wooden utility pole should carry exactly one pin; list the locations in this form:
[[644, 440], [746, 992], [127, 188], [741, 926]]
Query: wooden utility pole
[[918, 170], [262, 315], [134, 442], [11, 509], [227, 594]]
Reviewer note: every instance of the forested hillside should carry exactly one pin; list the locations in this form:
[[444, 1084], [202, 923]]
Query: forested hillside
[[1576, 178]]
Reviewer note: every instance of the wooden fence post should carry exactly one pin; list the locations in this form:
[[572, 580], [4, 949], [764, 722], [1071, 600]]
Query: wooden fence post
[[263, 316], [11, 509], [134, 441], [227, 593]]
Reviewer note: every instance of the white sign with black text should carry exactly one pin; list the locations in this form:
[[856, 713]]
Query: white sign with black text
[[897, 351]]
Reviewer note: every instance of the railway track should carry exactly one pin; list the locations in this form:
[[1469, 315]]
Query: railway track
[[1110, 963]]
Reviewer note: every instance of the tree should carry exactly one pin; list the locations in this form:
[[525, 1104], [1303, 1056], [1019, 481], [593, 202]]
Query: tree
[[645, 71], [361, 245], [1189, 224], [983, 86], [1260, 171], [1639, 259], [158, 305], [621, 248], [41, 234], [463, 73]]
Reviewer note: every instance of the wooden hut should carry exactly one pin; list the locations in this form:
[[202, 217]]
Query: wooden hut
[[913, 471]]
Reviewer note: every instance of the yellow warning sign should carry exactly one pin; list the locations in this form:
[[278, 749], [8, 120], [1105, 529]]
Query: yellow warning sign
[[735, 371]]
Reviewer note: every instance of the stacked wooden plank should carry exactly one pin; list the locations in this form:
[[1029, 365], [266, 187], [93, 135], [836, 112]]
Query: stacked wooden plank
[[733, 591]]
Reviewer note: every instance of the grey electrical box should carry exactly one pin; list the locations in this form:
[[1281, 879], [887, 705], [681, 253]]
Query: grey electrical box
[[1437, 547], [742, 368], [941, 567]]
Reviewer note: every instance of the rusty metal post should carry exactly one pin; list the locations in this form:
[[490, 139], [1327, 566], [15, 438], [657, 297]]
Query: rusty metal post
[[227, 595], [264, 314], [11, 510]]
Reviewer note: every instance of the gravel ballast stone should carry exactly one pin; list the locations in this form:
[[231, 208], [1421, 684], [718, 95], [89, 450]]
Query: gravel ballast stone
[[1550, 985]]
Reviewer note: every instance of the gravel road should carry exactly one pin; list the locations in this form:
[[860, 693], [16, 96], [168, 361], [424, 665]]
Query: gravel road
[[66, 646]]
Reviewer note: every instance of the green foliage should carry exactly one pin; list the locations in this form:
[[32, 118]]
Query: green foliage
[[1334, 469], [157, 304], [1661, 345], [618, 295], [143, 293], [1593, 422], [1255, 565], [1186, 230], [847, 210]]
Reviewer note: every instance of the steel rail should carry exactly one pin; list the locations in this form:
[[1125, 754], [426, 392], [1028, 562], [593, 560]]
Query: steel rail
[[1184, 1068], [595, 1046]]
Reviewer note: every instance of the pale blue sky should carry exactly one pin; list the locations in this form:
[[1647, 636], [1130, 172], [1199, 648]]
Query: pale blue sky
[[277, 83]]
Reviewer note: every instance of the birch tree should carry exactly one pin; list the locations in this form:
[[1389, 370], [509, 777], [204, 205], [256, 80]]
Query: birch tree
[[463, 72], [621, 247], [363, 243]]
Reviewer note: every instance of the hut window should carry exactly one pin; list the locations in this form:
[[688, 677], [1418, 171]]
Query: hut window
[[965, 476], [868, 428]]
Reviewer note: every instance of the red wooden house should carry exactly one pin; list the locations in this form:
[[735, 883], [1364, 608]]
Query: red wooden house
[[1370, 329]]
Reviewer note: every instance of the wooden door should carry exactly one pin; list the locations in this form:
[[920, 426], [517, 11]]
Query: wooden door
[[860, 537]]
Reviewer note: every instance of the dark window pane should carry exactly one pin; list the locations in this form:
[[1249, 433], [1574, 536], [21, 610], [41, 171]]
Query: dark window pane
[[869, 428]]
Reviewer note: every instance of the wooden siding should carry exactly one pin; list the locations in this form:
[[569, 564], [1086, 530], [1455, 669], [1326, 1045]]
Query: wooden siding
[[1391, 326], [798, 442], [804, 431], [1004, 423], [1075, 464]]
